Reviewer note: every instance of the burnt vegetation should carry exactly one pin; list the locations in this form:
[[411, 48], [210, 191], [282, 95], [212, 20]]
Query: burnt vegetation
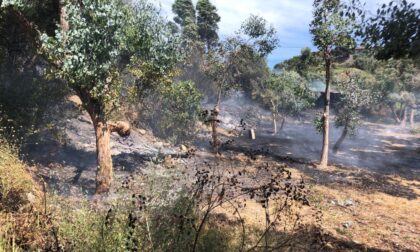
[[121, 130]]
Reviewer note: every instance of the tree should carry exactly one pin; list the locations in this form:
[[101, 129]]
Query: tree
[[218, 69], [332, 28], [255, 35], [88, 51], [207, 21], [394, 32], [173, 110], [355, 96], [25, 92], [285, 93], [395, 78], [185, 16], [259, 35], [300, 64]]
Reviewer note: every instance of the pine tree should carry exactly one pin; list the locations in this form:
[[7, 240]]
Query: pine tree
[[207, 19], [185, 16]]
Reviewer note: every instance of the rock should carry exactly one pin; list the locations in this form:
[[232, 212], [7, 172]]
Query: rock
[[345, 203], [183, 148], [31, 198], [169, 162], [142, 131], [348, 224], [348, 202]]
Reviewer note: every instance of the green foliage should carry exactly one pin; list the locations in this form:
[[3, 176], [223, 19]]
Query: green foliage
[[332, 25], [207, 21], [395, 76], [104, 37], [185, 16], [319, 122], [259, 35], [302, 64], [394, 32], [240, 61], [173, 110], [88, 54], [184, 11], [152, 46], [285, 93], [366, 62], [356, 95], [249, 68]]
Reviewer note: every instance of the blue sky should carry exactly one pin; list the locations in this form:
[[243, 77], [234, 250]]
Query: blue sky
[[291, 19]]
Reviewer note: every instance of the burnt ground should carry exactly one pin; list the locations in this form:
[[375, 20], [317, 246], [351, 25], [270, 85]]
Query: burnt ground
[[377, 169], [380, 148]]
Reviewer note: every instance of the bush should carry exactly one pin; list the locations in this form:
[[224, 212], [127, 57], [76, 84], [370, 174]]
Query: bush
[[17, 187], [173, 110]]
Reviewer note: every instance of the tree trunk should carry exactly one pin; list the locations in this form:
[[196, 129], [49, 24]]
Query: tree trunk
[[326, 125], [341, 139], [103, 129], [214, 122], [103, 157], [274, 114], [404, 117], [412, 113], [282, 122], [396, 118], [274, 123]]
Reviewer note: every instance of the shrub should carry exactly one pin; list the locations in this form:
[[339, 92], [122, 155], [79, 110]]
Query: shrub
[[173, 110], [17, 187]]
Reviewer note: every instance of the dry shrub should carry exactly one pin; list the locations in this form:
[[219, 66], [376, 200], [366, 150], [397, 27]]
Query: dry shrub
[[18, 189], [22, 223]]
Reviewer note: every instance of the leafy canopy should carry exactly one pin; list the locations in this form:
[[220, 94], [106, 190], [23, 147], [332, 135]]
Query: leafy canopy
[[207, 21], [103, 37], [356, 95], [394, 32], [333, 25], [285, 93]]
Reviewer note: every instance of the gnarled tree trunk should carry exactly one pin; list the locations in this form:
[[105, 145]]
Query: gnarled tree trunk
[[326, 125]]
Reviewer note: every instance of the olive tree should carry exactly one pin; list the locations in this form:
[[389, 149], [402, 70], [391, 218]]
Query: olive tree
[[355, 96], [285, 93], [95, 41], [221, 65], [396, 82], [332, 28]]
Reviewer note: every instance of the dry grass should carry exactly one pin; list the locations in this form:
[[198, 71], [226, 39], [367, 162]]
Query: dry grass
[[384, 214], [17, 187]]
